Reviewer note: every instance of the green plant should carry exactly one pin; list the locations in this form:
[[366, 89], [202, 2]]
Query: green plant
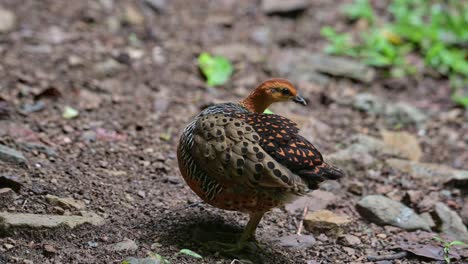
[[435, 30], [216, 69], [447, 246], [360, 9]]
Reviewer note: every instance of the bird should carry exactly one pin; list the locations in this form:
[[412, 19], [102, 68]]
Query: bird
[[236, 157]]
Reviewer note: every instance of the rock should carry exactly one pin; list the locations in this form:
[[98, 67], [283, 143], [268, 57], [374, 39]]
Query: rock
[[65, 202], [464, 212], [10, 182], [394, 113], [7, 20], [404, 142], [429, 172], [384, 211], [158, 6], [49, 250], [150, 260], [356, 188], [89, 100], [297, 241], [124, 245], [342, 67], [450, 223], [302, 65], [284, 7], [428, 218], [107, 68], [261, 35], [349, 240], [293, 64], [412, 197], [12, 156], [325, 221], [133, 16], [361, 152], [19, 220], [315, 200]]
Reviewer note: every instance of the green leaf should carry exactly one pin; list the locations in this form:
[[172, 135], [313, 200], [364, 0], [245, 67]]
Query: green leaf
[[189, 252], [268, 111], [70, 112], [461, 100], [216, 69], [359, 9], [456, 242]]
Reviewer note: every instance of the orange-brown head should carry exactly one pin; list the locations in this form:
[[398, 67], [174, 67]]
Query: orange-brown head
[[271, 91]]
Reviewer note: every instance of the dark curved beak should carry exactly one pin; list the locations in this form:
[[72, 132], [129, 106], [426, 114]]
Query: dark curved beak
[[298, 99]]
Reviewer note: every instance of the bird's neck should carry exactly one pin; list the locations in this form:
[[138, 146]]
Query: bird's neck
[[256, 102]]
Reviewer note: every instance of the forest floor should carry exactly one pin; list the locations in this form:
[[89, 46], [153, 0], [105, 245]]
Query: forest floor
[[131, 72]]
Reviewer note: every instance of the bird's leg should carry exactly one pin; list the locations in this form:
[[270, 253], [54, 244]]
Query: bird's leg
[[247, 234], [249, 231]]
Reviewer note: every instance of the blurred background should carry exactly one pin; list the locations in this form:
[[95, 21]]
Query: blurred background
[[94, 94]]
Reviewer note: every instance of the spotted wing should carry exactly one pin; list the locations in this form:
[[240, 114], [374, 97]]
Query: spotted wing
[[280, 139], [228, 149]]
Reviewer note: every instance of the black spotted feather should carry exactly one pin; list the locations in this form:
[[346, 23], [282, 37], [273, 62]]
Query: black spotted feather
[[280, 139]]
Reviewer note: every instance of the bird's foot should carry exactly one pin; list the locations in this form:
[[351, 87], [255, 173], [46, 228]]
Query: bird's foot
[[232, 248]]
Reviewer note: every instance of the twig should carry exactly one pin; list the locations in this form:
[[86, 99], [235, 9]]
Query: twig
[[398, 255], [301, 223]]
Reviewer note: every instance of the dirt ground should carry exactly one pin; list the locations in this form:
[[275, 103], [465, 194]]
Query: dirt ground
[[132, 74]]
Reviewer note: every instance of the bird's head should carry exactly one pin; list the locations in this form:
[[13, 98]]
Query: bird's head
[[272, 91]]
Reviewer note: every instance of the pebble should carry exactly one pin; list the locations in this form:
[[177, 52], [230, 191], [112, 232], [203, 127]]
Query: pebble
[[325, 221], [450, 222], [158, 6], [283, 7], [12, 156], [349, 240], [10, 221], [49, 249], [7, 20], [296, 241], [384, 211], [65, 202], [124, 245]]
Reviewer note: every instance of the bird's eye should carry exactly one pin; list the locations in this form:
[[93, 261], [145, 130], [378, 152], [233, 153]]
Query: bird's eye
[[285, 91]]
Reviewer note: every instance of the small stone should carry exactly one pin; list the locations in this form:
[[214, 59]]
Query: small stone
[[124, 245], [261, 35], [429, 172], [49, 249], [7, 20], [107, 67], [297, 241], [349, 251], [450, 222], [412, 197], [428, 218], [133, 16], [158, 6], [283, 7], [356, 188], [464, 212], [8, 246], [315, 200], [349, 240], [65, 202], [325, 221], [37, 221], [384, 211], [406, 144], [12, 156], [142, 194]]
